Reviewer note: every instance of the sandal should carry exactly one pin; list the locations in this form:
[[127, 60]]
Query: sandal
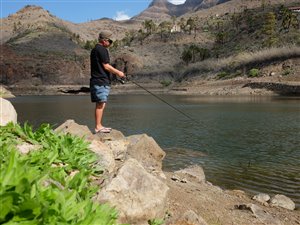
[[103, 130]]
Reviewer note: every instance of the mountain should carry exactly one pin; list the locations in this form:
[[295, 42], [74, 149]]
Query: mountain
[[38, 48], [162, 9]]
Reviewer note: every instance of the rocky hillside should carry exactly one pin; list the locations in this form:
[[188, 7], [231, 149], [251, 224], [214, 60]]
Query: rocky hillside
[[162, 9], [226, 40], [39, 48]]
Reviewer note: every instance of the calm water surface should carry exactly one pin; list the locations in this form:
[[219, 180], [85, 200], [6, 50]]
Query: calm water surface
[[248, 143]]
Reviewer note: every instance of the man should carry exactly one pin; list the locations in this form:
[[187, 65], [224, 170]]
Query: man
[[101, 78]]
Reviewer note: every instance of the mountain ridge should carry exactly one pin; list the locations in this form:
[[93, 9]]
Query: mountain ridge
[[166, 10]]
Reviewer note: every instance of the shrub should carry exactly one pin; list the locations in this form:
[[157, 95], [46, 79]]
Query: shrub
[[253, 72], [155, 222], [36, 188], [166, 83], [286, 72], [222, 75]]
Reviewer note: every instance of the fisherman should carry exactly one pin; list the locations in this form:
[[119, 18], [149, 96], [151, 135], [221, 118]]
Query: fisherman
[[100, 81]]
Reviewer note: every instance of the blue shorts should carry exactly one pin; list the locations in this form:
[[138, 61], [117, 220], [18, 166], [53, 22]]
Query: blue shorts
[[99, 93]]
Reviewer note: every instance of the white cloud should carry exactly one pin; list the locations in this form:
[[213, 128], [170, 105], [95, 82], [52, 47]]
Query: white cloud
[[121, 15], [177, 2]]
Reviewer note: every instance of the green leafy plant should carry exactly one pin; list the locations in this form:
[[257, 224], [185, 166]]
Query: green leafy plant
[[166, 83], [253, 72], [38, 188], [155, 222]]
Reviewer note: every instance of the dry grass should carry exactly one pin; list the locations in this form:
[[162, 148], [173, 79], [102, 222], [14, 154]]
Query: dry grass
[[245, 60]]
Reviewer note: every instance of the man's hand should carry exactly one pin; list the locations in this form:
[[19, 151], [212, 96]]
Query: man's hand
[[123, 80], [121, 74]]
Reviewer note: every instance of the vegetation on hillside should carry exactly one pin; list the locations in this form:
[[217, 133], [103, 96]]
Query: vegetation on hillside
[[52, 184], [251, 31], [49, 53]]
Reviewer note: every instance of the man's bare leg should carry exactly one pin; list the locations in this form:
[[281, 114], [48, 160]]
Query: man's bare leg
[[98, 114]]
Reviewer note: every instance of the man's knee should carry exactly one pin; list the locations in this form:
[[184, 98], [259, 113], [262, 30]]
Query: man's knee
[[100, 105]]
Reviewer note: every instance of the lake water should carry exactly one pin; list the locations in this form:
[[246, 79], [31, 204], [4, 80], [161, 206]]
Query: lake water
[[247, 143]]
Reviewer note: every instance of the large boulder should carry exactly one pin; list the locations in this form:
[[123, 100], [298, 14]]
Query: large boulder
[[145, 150], [262, 215], [71, 127], [194, 171], [4, 93], [283, 202], [190, 218], [112, 136], [106, 157], [7, 112], [136, 194], [262, 198], [119, 148]]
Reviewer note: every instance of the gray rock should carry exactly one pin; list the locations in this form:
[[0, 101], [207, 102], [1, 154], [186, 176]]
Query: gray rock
[[146, 151], [193, 171], [106, 158], [260, 214], [112, 136], [71, 127], [283, 202], [261, 197], [4, 93], [272, 73], [119, 148], [25, 148], [7, 112], [136, 194], [191, 217]]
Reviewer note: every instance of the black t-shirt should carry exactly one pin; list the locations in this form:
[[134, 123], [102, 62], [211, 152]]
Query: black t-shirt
[[99, 75]]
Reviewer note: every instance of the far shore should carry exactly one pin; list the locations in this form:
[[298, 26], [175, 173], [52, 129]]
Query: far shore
[[231, 87]]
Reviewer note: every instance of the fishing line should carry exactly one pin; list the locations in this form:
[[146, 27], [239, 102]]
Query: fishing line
[[164, 101], [159, 98], [156, 96]]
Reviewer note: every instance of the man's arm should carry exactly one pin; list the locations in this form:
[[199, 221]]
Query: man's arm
[[113, 70]]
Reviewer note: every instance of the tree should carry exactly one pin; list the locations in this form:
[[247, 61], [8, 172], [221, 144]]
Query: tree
[[288, 19], [236, 20], [174, 20], [194, 49], [129, 37], [90, 44], [194, 53], [165, 27], [186, 56], [182, 24], [149, 26], [221, 37], [203, 53], [269, 29], [191, 24], [141, 36]]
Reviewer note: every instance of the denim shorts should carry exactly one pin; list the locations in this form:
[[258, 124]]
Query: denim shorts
[[99, 93]]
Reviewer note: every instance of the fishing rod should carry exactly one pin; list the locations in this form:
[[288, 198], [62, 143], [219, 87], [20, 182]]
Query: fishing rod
[[157, 97]]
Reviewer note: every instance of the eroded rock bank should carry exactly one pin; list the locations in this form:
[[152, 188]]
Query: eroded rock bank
[[136, 185]]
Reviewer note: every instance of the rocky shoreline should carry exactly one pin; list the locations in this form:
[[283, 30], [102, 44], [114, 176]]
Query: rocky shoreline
[[240, 86], [135, 184], [141, 191]]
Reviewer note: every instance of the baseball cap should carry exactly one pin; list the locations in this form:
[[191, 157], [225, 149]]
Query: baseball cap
[[105, 35]]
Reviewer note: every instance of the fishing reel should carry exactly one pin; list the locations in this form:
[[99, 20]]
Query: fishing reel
[[123, 80], [115, 79]]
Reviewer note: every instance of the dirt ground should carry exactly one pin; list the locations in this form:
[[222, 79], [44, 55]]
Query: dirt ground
[[218, 207]]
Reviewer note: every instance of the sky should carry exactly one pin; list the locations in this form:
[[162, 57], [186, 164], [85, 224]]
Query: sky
[[79, 11]]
